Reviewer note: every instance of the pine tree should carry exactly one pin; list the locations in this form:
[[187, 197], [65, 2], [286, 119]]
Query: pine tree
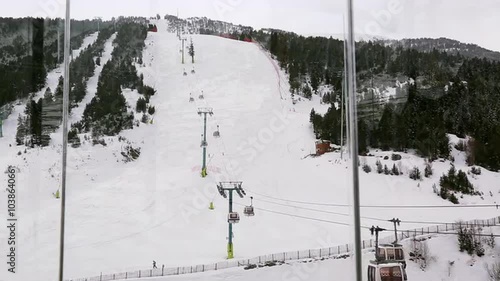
[[48, 97], [380, 169], [191, 51], [151, 110], [395, 170], [386, 170], [21, 130]]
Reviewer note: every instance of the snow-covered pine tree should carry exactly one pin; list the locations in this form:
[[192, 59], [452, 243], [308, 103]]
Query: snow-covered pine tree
[[191, 51], [21, 130]]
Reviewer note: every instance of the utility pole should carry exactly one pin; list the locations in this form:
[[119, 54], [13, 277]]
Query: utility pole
[[204, 144], [376, 230], [342, 100], [183, 39], [395, 221], [67, 36], [229, 187]]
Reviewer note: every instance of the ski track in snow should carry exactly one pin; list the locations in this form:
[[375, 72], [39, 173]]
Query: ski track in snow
[[121, 216]]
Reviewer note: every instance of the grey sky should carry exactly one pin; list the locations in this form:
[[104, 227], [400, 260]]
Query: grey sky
[[468, 21]]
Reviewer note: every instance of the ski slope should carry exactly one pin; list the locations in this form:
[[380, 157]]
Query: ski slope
[[443, 249], [122, 216]]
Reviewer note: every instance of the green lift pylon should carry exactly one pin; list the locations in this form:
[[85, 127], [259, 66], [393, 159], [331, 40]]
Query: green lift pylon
[[204, 144], [233, 217]]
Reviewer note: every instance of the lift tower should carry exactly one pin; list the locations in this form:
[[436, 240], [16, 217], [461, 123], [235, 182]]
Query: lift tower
[[204, 144], [232, 217]]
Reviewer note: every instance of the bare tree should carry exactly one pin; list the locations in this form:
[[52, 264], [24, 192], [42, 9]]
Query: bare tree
[[493, 271]]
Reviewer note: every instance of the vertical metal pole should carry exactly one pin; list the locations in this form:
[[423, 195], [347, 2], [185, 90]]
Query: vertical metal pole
[[346, 99], [183, 50], [342, 120], [204, 168], [230, 253], [67, 36], [395, 232], [351, 86]]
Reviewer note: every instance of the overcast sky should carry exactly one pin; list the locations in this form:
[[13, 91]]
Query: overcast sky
[[465, 20]]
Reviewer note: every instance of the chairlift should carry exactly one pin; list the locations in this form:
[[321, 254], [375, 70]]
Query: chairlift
[[233, 217], [217, 133], [185, 73], [191, 99], [248, 211], [201, 96], [192, 71]]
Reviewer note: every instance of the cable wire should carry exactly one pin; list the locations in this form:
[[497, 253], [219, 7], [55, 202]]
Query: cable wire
[[344, 214], [378, 206]]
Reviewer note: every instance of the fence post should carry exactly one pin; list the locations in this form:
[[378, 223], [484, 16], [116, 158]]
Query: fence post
[[363, 245], [113, 276], [215, 266], [100, 278], [338, 250], [126, 275], [446, 227], [191, 269], [139, 273], [309, 253], [272, 256], [347, 247], [177, 270], [329, 251]]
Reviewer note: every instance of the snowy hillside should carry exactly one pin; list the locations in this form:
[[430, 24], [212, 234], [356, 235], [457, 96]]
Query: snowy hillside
[[445, 263], [122, 216]]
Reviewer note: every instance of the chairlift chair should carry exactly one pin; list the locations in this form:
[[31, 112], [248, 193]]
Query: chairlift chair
[[217, 133], [185, 73], [233, 217], [248, 211], [191, 99], [192, 71], [201, 96]]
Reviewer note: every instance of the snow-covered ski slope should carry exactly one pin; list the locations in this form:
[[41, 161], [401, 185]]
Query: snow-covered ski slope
[[445, 263], [122, 216]]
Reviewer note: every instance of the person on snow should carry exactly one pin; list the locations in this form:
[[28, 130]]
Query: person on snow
[[154, 264]]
